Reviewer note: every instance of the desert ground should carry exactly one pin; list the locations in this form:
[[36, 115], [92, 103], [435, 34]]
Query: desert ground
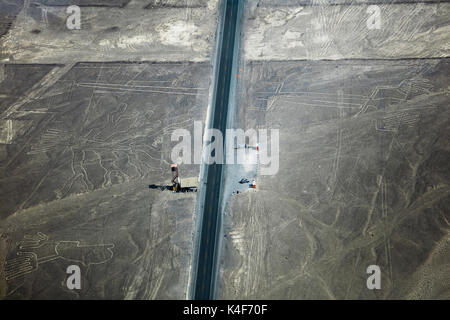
[[86, 123], [363, 117]]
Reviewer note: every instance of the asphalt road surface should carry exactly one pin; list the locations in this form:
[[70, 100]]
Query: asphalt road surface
[[204, 283]]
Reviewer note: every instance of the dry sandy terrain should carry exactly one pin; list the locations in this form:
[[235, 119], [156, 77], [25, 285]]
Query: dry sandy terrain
[[81, 141], [135, 32], [416, 30], [86, 119], [364, 173]]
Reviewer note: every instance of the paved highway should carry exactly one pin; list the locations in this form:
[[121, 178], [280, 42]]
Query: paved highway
[[204, 282]]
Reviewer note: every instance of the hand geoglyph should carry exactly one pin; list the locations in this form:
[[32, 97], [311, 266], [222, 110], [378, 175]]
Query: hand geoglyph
[[36, 249]]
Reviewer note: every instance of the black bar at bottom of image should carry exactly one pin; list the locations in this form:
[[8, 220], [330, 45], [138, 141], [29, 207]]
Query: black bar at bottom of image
[[220, 309]]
